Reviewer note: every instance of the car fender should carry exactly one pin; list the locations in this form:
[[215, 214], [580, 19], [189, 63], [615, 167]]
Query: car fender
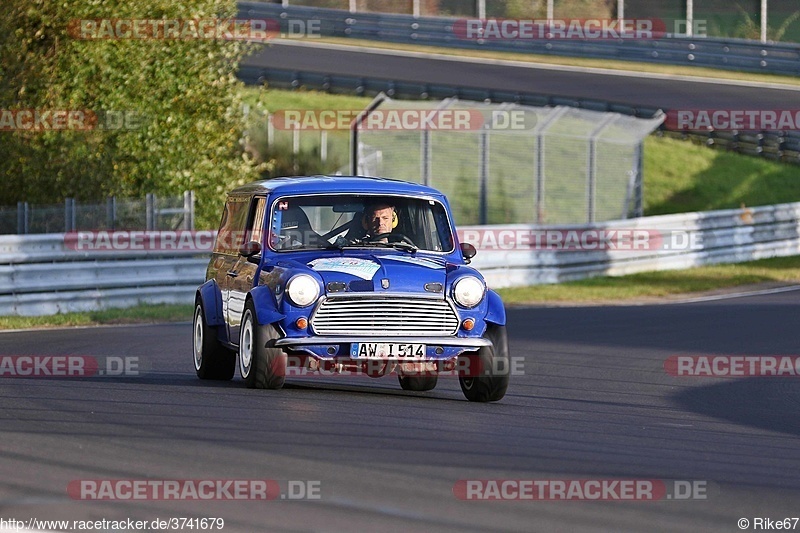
[[496, 311], [211, 297], [265, 304]]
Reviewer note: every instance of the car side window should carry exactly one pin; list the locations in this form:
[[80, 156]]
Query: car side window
[[255, 229], [231, 231]]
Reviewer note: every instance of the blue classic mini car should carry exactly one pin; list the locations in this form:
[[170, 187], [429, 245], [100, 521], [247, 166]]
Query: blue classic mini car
[[347, 274]]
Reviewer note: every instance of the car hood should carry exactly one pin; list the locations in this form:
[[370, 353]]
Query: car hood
[[382, 272]]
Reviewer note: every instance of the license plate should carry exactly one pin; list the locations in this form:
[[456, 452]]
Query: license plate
[[380, 350]]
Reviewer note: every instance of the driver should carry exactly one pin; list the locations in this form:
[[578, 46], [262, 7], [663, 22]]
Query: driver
[[378, 219]]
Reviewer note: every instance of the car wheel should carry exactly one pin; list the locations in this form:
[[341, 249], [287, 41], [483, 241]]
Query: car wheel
[[261, 365], [211, 359], [485, 378], [418, 383]]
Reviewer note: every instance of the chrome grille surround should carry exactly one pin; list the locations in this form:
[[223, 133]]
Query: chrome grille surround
[[381, 315]]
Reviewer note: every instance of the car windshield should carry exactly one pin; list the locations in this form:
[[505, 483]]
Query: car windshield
[[345, 221]]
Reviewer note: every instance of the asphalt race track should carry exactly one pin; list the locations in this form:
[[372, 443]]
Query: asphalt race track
[[594, 402], [645, 91]]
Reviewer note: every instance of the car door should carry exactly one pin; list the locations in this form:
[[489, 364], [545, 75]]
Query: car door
[[242, 273], [226, 249]]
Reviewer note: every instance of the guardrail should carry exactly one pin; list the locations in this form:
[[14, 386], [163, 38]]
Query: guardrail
[[732, 54], [47, 274], [725, 236]]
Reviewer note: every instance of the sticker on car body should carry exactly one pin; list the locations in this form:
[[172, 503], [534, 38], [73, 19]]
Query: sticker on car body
[[361, 268], [413, 260]]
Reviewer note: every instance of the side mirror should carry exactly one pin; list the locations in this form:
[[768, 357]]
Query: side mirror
[[468, 251], [251, 251]]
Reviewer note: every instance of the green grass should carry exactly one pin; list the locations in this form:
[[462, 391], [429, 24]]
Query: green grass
[[680, 176], [133, 315], [659, 284]]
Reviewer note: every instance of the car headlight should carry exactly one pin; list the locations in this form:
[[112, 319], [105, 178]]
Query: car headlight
[[468, 291], [302, 290]]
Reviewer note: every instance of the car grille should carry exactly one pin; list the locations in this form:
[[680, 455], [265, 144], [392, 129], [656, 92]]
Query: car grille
[[382, 316]]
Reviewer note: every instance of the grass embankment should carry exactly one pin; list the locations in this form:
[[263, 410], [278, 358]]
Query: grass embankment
[[141, 314], [779, 270]]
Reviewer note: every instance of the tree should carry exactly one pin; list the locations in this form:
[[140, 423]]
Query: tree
[[180, 97]]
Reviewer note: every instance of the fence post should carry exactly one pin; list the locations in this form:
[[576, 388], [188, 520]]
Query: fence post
[[296, 140], [425, 159], [376, 102], [638, 187], [69, 215], [591, 179], [591, 185], [188, 210], [484, 176], [323, 145], [150, 212], [270, 130], [23, 212], [111, 212]]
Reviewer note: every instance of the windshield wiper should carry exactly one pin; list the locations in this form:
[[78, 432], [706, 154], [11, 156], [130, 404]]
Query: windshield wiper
[[364, 244], [410, 248]]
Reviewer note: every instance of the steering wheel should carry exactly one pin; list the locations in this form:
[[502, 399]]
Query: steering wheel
[[390, 237]]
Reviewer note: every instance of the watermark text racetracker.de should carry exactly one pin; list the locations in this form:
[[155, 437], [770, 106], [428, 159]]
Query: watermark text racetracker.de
[[255, 30], [557, 29], [487, 239], [68, 366], [119, 241], [733, 366], [565, 240], [580, 489], [408, 119], [457, 367], [43, 120], [733, 120], [194, 489]]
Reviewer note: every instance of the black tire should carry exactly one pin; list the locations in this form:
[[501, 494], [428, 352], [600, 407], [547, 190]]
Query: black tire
[[487, 375], [418, 383], [211, 359], [261, 365]]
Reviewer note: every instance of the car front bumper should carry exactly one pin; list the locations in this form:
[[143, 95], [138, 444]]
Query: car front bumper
[[437, 348]]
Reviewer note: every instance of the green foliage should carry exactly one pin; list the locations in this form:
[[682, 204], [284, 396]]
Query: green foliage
[[184, 93], [582, 9], [750, 28], [306, 162], [680, 176], [527, 9]]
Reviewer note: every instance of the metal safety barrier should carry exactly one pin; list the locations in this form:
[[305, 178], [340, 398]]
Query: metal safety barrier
[[731, 54], [668, 242], [45, 274], [48, 273]]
